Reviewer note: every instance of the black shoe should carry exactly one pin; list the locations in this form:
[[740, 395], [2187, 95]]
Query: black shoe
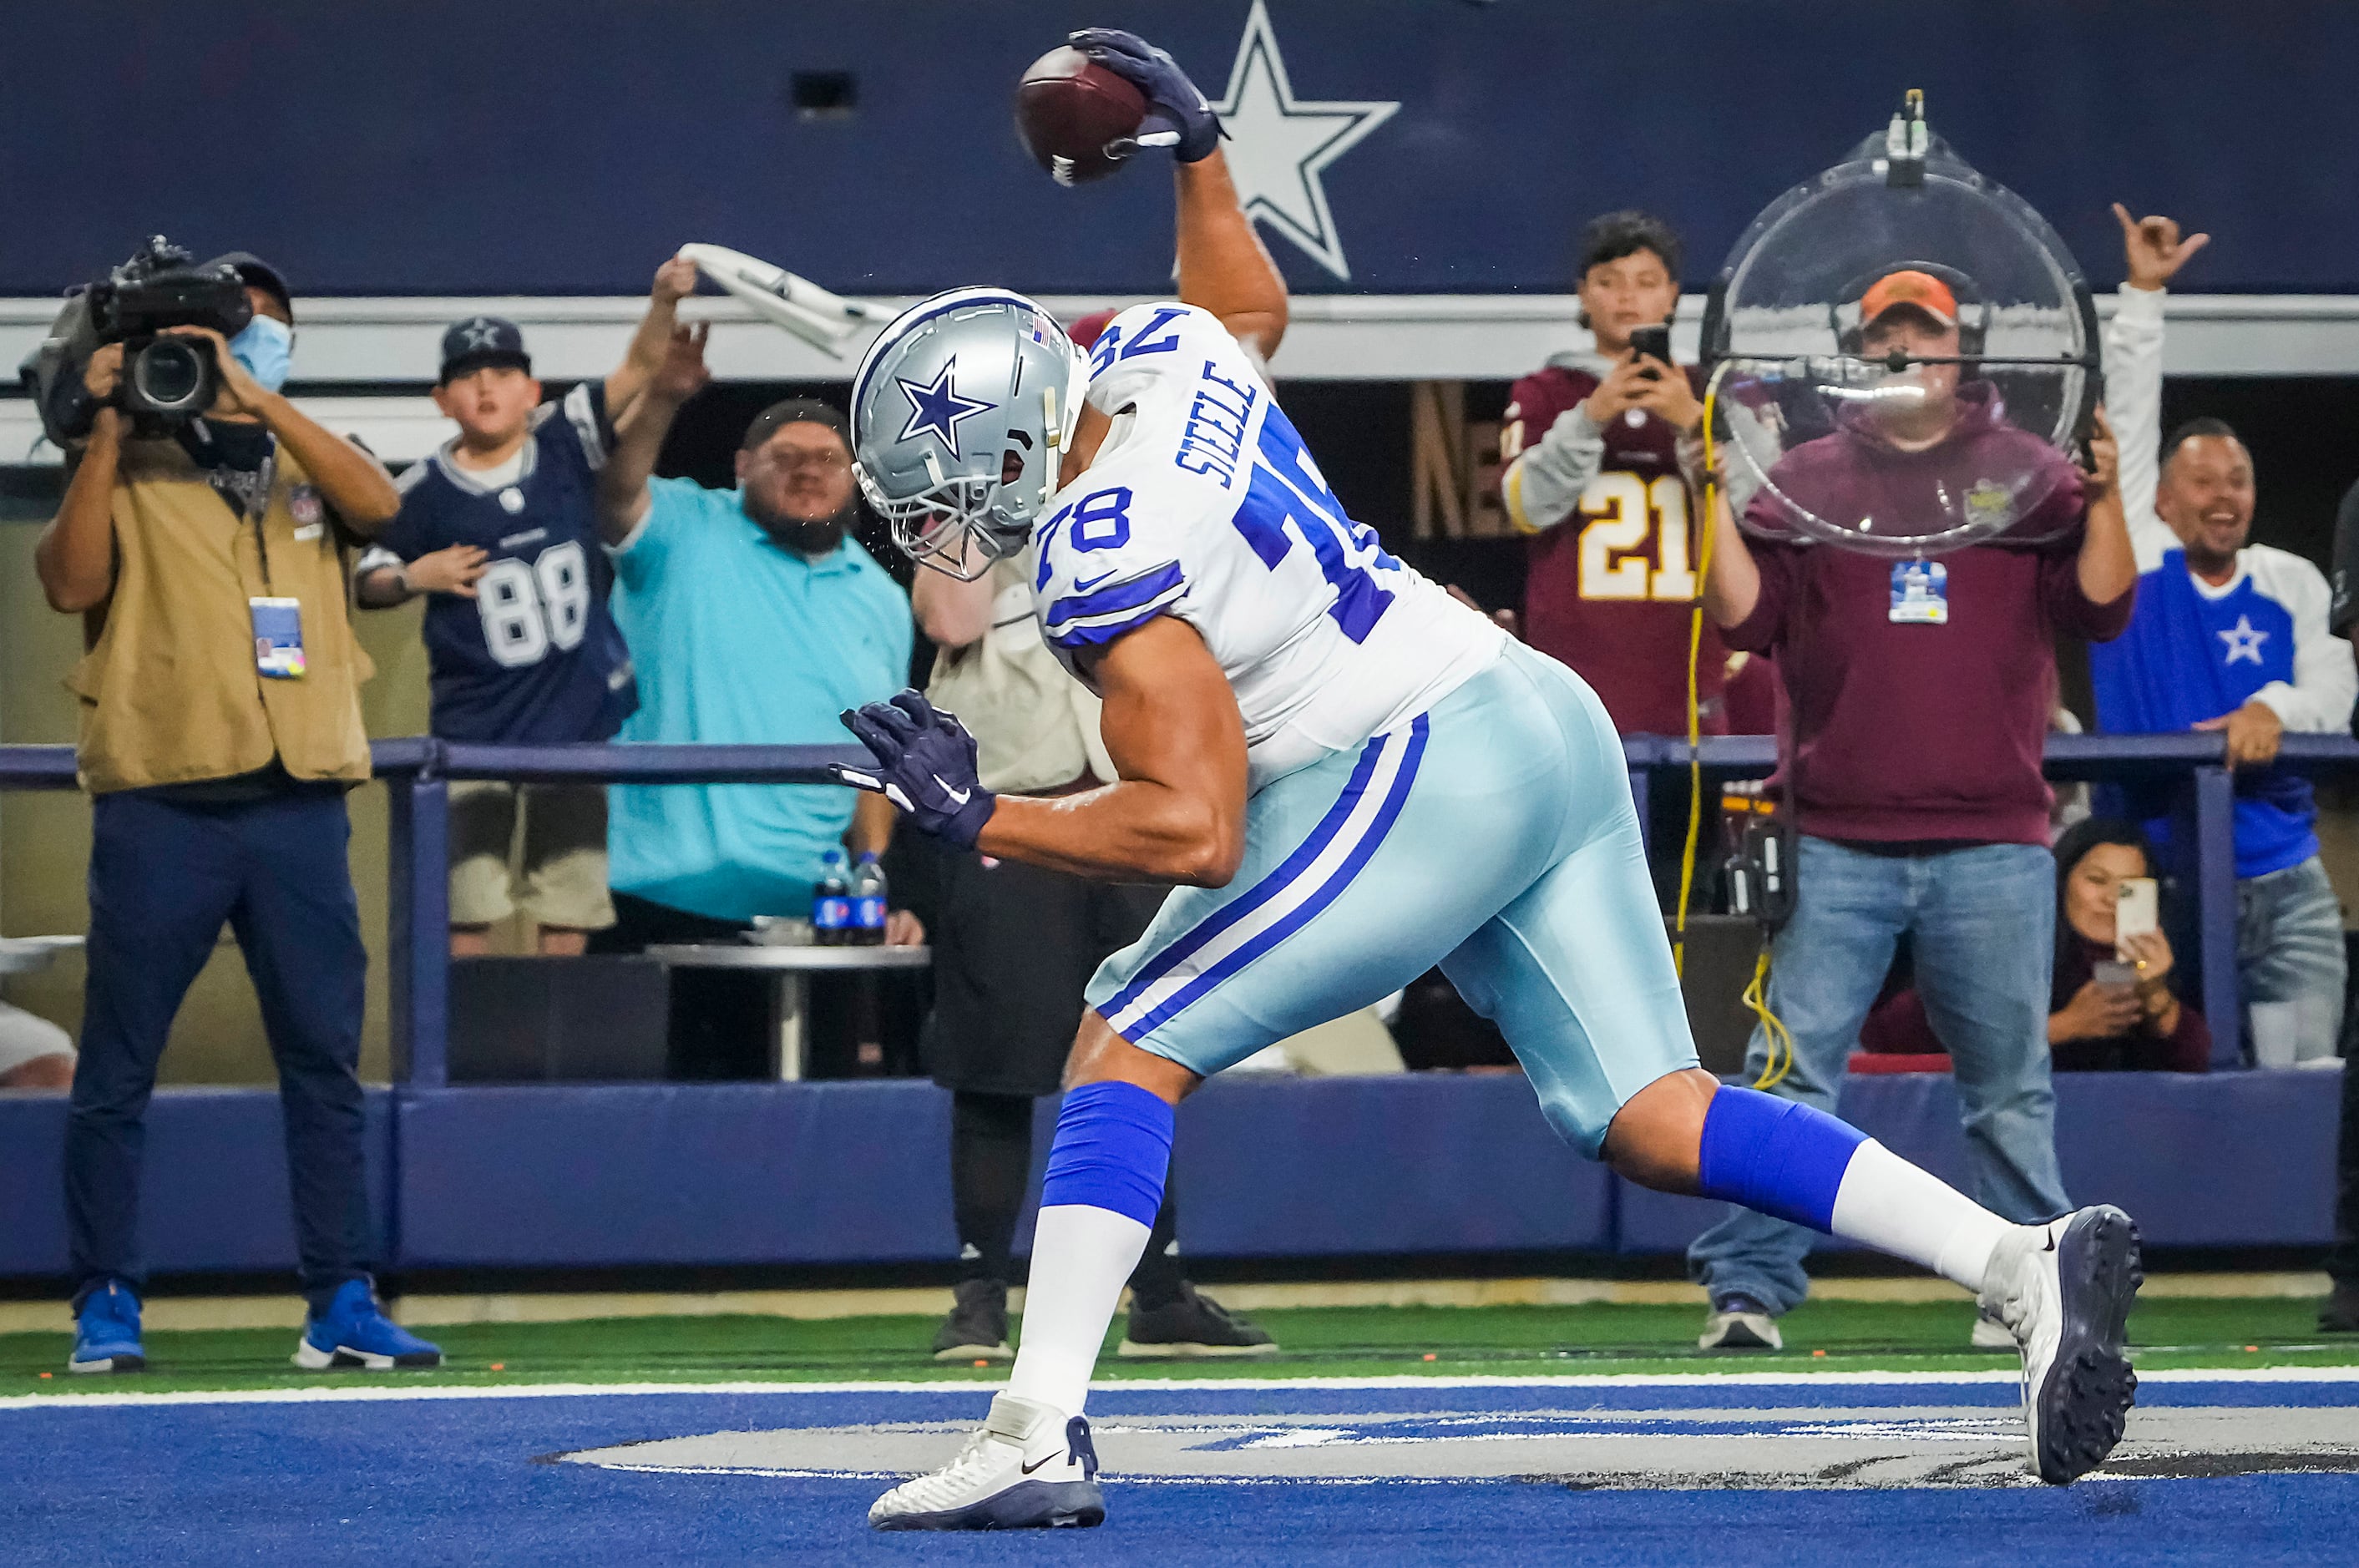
[[2341, 1313], [1190, 1325], [976, 1329]]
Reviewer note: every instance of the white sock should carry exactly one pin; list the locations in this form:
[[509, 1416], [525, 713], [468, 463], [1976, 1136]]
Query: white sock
[[1896, 1207], [1081, 1255]]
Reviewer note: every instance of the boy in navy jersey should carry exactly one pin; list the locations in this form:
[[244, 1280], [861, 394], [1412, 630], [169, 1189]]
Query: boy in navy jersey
[[500, 529]]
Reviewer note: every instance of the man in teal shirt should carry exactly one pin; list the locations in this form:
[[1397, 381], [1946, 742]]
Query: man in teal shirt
[[752, 618]]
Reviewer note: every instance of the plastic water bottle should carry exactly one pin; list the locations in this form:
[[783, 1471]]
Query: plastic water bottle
[[868, 902], [832, 903]]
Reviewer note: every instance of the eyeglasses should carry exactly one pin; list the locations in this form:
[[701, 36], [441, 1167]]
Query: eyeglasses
[[824, 461]]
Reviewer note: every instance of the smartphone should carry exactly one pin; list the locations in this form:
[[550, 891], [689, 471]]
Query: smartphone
[[1651, 343], [2137, 910]]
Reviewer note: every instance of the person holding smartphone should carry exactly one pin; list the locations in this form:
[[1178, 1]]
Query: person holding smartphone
[[2112, 1006], [1594, 452]]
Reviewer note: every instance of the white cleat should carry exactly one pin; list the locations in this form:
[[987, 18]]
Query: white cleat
[[2064, 1289], [1028, 1466]]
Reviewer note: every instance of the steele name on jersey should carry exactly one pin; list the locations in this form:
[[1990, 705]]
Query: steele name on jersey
[[1204, 504]]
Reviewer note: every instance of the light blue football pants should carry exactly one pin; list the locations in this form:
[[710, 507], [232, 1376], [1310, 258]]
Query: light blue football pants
[[1494, 835]]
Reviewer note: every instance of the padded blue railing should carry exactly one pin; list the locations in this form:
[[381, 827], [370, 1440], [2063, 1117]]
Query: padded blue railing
[[417, 772]]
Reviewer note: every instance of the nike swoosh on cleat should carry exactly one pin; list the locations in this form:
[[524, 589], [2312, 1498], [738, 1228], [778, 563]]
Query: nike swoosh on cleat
[[1028, 1469]]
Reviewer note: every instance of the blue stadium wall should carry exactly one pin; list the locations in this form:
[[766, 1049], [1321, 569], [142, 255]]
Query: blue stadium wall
[[554, 146]]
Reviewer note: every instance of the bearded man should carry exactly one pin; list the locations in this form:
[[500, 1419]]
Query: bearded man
[[752, 618]]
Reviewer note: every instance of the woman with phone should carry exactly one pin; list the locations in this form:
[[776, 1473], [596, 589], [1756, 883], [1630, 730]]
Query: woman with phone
[[2111, 1005]]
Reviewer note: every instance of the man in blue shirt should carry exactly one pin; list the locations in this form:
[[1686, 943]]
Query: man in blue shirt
[[499, 527], [2229, 635], [753, 619]]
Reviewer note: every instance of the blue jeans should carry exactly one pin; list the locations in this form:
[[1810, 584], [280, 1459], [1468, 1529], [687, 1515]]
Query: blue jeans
[[1983, 922], [164, 875], [2289, 964]]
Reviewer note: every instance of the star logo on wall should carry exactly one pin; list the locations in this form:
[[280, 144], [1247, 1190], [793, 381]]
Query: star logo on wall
[[2243, 640], [936, 407], [1280, 145]]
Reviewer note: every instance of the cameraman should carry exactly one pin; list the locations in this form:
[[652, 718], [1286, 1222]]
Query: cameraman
[[221, 726]]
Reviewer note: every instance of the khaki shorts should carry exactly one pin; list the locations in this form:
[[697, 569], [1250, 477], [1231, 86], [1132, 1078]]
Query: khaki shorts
[[538, 847]]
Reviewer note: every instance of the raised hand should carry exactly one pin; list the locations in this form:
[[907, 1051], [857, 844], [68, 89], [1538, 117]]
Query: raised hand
[[2154, 248], [675, 280], [682, 373], [1178, 116]]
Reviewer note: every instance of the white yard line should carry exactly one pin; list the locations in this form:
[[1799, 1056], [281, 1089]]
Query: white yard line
[[360, 1393]]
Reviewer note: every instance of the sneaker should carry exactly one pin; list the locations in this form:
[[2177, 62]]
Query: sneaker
[[976, 1329], [356, 1332], [107, 1332], [1740, 1323], [1990, 1333], [2065, 1289], [1027, 1467], [2341, 1313], [1190, 1325]]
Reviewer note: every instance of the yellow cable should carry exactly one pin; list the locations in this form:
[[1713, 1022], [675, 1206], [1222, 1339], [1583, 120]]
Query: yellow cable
[[1757, 994]]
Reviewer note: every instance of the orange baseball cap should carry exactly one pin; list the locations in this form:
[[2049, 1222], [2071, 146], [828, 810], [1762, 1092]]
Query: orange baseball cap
[[1918, 290]]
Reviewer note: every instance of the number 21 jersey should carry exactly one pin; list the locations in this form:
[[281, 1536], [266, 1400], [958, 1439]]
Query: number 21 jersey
[[1610, 587], [1203, 504], [535, 657]]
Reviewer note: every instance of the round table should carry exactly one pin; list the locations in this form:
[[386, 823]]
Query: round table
[[791, 966]]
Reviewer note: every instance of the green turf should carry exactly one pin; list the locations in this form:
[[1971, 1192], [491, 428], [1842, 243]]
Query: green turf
[[1330, 1342]]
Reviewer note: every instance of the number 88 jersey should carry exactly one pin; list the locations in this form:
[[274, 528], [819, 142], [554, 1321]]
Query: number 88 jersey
[[534, 658], [1203, 504]]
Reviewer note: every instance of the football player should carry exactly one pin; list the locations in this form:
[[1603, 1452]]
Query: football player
[[1352, 778]]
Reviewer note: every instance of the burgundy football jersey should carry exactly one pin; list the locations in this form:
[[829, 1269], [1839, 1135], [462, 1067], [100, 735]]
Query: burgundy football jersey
[[1612, 588]]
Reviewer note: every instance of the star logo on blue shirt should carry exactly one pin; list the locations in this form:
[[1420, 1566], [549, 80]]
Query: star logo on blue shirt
[[938, 407], [2243, 641]]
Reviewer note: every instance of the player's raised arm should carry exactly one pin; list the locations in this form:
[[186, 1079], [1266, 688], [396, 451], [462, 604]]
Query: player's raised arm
[[1222, 267], [1172, 729]]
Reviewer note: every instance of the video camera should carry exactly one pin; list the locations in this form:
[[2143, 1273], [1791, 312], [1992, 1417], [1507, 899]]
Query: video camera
[[167, 381]]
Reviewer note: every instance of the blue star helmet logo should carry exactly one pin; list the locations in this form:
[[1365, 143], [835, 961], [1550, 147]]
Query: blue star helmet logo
[[938, 407]]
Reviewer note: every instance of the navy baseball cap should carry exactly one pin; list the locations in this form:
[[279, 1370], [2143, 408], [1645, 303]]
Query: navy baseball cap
[[258, 274], [479, 340]]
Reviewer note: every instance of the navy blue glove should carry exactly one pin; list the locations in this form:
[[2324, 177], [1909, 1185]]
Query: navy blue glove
[[1177, 114], [925, 764]]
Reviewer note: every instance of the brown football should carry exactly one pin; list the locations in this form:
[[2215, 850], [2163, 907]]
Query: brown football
[[1068, 107]]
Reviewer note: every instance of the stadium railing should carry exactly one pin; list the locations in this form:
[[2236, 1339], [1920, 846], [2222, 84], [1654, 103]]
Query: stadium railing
[[418, 771]]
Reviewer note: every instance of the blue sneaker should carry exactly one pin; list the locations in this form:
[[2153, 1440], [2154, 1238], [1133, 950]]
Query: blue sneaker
[[355, 1332], [107, 1332]]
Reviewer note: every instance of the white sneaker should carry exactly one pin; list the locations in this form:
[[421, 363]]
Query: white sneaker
[[1992, 1335], [1028, 1466], [1740, 1330], [2064, 1289]]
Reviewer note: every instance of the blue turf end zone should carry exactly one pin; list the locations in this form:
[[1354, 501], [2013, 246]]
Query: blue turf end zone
[[456, 1480]]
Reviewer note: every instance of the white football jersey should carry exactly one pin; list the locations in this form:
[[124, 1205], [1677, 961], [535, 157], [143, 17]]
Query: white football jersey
[[1203, 504]]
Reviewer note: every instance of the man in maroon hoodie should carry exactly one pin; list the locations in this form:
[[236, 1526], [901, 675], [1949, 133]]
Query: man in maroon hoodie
[[1920, 694]]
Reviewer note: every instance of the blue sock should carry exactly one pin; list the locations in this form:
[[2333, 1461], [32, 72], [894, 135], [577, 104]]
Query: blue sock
[[1112, 1148], [1783, 1159]]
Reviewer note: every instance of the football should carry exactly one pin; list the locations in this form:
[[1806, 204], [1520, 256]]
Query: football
[[1068, 107]]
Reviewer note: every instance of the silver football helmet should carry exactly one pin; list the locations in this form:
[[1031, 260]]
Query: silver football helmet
[[961, 410]]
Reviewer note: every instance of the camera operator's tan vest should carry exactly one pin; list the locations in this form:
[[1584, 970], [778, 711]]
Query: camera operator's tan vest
[[170, 692], [1034, 726]]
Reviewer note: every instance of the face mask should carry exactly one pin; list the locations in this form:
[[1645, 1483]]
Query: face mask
[[266, 348]]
